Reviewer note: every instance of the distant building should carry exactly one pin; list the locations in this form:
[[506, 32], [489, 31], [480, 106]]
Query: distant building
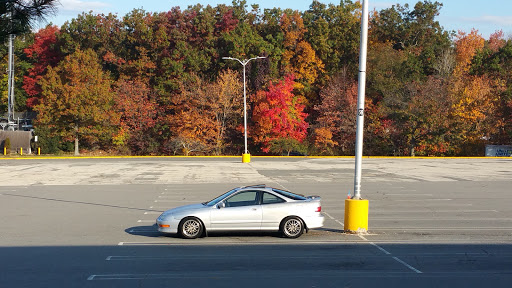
[[22, 122], [498, 150], [18, 139]]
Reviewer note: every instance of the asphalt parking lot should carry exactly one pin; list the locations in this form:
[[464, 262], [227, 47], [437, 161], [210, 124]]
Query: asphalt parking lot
[[89, 223]]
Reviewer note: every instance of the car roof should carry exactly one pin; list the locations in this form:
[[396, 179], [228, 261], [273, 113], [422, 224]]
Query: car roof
[[267, 188]]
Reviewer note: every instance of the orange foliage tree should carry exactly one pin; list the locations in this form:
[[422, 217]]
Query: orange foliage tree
[[299, 58], [472, 100], [78, 101], [204, 114]]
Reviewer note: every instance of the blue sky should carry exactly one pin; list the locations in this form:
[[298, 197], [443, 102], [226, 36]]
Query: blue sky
[[486, 16]]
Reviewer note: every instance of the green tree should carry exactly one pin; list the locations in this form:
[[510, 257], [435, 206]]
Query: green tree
[[333, 32], [19, 16], [415, 31]]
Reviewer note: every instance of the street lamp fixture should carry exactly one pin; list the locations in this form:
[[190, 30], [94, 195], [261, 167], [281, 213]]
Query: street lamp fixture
[[246, 157]]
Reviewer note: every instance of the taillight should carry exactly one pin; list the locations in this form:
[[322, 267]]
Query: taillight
[[319, 209]]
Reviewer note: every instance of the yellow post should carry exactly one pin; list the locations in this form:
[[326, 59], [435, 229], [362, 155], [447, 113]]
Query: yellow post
[[356, 215], [246, 158], [21, 151], [38, 150]]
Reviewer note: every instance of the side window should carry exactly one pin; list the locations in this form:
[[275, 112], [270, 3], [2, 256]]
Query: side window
[[270, 199], [245, 198]]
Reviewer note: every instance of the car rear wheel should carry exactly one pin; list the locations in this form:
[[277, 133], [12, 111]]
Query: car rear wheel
[[191, 228], [292, 227]]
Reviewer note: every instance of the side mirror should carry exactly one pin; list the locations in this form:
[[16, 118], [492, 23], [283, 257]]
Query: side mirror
[[221, 205]]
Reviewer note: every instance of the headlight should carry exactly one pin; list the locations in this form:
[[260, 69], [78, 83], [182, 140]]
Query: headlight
[[163, 216]]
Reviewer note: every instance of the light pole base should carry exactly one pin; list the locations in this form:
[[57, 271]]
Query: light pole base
[[356, 215], [246, 158]]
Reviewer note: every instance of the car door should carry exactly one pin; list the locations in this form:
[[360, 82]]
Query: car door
[[241, 211], [274, 209]]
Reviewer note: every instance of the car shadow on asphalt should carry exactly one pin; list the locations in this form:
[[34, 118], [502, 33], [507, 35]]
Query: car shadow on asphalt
[[146, 231], [151, 231]]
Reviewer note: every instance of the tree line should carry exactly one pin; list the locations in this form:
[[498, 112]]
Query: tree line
[[156, 84]]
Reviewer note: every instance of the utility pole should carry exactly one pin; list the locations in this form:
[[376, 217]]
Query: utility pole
[[10, 84]]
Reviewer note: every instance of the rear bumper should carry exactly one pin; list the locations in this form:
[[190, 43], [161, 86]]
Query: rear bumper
[[314, 221]]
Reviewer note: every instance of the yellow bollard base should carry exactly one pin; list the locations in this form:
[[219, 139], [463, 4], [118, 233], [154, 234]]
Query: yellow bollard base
[[246, 158], [356, 215]]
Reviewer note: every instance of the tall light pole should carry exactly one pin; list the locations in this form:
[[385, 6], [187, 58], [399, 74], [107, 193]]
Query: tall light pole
[[356, 209], [246, 157], [10, 93]]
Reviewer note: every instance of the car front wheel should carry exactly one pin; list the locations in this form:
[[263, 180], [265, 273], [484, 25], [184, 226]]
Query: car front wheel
[[191, 228], [292, 227]]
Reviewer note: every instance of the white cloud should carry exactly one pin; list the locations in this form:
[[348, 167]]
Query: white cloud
[[493, 20], [79, 6]]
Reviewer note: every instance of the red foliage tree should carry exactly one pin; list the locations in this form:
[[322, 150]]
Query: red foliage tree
[[44, 53], [278, 114]]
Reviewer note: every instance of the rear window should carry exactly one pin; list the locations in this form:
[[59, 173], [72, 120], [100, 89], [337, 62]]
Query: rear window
[[290, 195]]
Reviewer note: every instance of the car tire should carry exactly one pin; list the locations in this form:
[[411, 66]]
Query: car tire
[[191, 228], [292, 227]]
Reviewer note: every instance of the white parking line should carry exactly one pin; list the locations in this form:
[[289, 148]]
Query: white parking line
[[174, 201], [422, 200], [426, 210], [375, 245], [407, 194], [233, 243], [152, 212], [407, 265], [461, 218], [146, 221], [388, 253], [336, 220], [444, 229]]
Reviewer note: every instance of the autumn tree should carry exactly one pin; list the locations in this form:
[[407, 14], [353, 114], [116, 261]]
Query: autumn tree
[[299, 58], [225, 98], [471, 97], [77, 102], [43, 53], [191, 119], [336, 122], [422, 133], [278, 114], [495, 62], [136, 104]]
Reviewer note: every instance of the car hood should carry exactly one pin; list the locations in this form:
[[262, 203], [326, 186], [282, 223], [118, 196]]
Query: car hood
[[185, 208]]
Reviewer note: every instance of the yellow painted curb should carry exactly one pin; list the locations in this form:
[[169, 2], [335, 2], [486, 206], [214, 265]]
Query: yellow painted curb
[[356, 215], [227, 156], [246, 158]]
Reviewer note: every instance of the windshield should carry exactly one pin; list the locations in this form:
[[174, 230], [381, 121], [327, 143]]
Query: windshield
[[220, 198]]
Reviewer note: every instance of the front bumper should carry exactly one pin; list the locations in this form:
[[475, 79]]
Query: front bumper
[[167, 226]]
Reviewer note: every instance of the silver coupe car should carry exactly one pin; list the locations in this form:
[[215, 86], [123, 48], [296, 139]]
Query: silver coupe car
[[250, 208]]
